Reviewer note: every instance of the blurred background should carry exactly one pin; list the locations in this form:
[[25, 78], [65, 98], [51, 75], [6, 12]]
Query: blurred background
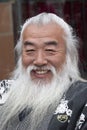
[[13, 13]]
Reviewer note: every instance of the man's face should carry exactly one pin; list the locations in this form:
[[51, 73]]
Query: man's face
[[43, 46]]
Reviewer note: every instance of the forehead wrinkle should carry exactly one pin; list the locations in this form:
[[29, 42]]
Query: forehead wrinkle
[[46, 33], [43, 30]]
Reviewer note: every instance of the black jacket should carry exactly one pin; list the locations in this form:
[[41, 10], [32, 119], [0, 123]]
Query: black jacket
[[71, 113]]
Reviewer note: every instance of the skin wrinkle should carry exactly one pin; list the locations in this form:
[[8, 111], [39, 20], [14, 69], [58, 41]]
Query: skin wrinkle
[[42, 46]]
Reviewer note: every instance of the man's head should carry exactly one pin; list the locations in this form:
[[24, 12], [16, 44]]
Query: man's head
[[47, 42]]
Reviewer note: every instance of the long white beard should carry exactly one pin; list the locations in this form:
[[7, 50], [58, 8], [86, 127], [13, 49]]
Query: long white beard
[[39, 97]]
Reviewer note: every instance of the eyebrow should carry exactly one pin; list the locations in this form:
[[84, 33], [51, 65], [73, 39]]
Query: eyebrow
[[51, 43], [28, 43]]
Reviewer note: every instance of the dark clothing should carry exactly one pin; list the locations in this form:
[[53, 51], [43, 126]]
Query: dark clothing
[[71, 113]]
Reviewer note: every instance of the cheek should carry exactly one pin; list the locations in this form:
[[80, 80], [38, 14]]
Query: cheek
[[26, 61], [59, 61]]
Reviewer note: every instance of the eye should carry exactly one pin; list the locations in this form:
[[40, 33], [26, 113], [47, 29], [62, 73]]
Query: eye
[[50, 52], [30, 52]]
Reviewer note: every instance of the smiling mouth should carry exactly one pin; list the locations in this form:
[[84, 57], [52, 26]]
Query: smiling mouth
[[40, 73]]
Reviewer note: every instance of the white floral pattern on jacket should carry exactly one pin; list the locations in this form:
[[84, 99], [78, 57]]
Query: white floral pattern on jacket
[[4, 88]]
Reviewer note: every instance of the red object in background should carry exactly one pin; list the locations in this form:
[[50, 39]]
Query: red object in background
[[73, 15], [67, 11], [40, 7]]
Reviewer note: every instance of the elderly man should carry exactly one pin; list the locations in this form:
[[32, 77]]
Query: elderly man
[[47, 92]]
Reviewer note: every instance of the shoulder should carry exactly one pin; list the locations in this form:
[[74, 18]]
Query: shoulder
[[71, 112], [77, 88], [76, 96], [4, 89]]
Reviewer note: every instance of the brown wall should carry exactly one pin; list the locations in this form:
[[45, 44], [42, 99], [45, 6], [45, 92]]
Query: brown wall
[[6, 40]]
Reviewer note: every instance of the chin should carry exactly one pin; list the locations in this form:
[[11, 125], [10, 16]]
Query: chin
[[41, 81]]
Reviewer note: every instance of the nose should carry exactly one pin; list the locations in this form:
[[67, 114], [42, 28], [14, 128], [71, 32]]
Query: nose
[[40, 59]]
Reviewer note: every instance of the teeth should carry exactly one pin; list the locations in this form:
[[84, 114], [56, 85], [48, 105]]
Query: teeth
[[41, 71]]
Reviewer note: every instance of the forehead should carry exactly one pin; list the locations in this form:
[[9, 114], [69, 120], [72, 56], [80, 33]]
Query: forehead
[[48, 31]]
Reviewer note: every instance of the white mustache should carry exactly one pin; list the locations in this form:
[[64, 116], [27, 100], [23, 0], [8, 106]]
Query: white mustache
[[32, 67]]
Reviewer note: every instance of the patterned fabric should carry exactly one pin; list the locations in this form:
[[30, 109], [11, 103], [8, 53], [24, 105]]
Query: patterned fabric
[[4, 88], [71, 113]]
